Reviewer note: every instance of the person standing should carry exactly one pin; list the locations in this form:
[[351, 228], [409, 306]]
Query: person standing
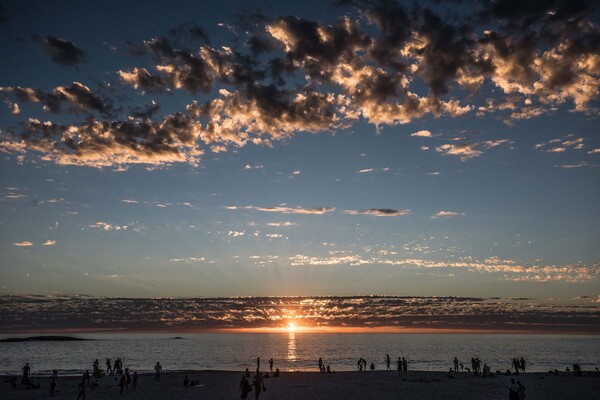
[[513, 390], [400, 366], [245, 387], [388, 362], [157, 372], [81, 390], [455, 364], [26, 370], [404, 366], [257, 363], [122, 383], [259, 385], [320, 363], [135, 378], [271, 364], [52, 383]]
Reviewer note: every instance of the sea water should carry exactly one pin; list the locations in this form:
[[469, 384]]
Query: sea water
[[299, 351]]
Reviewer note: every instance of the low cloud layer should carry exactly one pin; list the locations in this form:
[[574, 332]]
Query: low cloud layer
[[380, 62], [37, 313]]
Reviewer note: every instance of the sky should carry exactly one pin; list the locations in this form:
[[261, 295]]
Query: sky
[[190, 149]]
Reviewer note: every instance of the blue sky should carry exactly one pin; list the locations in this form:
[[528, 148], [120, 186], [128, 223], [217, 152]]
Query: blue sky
[[384, 156]]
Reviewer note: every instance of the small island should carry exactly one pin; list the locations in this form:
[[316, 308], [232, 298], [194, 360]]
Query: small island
[[43, 339]]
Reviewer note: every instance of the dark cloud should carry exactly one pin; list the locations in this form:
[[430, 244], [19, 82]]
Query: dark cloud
[[191, 31], [62, 51], [380, 212], [146, 111], [77, 97]]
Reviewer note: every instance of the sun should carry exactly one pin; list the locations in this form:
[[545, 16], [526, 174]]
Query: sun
[[291, 327]]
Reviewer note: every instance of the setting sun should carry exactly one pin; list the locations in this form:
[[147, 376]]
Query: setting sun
[[291, 327]]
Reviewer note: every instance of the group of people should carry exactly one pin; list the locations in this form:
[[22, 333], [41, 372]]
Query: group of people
[[518, 365], [516, 390], [258, 383]]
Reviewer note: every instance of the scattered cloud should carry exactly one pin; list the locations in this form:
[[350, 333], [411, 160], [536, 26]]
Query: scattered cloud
[[290, 210], [49, 243], [447, 214], [23, 244], [392, 65], [423, 133], [62, 51], [467, 151], [561, 145], [380, 212]]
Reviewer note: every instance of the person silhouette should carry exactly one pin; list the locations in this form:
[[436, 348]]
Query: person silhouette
[[388, 362], [157, 372], [271, 365], [26, 370]]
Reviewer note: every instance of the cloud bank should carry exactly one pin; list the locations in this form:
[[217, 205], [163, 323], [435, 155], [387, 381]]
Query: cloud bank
[[384, 63]]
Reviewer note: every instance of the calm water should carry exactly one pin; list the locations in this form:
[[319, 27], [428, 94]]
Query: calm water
[[300, 351]]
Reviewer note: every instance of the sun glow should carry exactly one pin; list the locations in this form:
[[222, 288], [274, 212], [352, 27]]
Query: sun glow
[[291, 327]]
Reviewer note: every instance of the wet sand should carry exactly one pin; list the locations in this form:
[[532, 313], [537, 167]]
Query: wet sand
[[308, 385]]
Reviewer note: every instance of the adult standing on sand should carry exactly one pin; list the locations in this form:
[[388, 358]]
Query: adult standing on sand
[[388, 362], [259, 384], [404, 366], [157, 370], [245, 387], [513, 390], [26, 370]]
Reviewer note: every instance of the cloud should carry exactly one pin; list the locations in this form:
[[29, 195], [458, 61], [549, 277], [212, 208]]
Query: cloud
[[78, 98], [62, 51], [423, 133], [281, 224], [569, 166], [380, 212], [49, 243], [447, 214], [390, 64], [467, 151], [105, 226], [107, 143], [24, 313], [561, 145], [23, 244], [290, 210], [236, 233]]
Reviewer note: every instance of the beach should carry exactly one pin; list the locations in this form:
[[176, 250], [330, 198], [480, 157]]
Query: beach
[[313, 385]]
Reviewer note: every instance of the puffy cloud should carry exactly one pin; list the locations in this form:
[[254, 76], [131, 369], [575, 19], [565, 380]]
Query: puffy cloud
[[380, 212], [102, 143], [423, 133], [49, 243], [389, 66], [62, 51], [23, 244]]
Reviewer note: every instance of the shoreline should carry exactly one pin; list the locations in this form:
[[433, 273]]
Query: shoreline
[[350, 385]]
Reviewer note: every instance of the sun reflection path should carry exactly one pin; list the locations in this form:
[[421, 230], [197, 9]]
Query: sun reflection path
[[291, 353]]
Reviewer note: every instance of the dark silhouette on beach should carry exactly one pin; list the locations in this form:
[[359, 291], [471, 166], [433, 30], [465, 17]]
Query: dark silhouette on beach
[[157, 372], [245, 387], [26, 370]]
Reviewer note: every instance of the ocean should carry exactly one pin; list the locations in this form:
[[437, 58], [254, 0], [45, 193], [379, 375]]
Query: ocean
[[299, 351]]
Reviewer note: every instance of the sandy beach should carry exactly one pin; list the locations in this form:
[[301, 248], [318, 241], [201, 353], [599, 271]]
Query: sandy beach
[[308, 385]]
